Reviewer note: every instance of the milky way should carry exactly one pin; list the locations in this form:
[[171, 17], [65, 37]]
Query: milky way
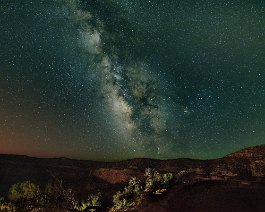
[[136, 110], [119, 79]]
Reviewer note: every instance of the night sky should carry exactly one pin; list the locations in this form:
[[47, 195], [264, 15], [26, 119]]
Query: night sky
[[118, 79]]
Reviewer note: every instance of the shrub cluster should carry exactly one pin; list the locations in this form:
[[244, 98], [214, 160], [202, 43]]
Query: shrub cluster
[[92, 200], [27, 196], [155, 180], [26, 191], [133, 194], [129, 197]]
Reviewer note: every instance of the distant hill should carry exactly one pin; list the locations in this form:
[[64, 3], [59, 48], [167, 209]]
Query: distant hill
[[219, 176], [251, 152]]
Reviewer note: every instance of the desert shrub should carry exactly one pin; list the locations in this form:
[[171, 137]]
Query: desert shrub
[[166, 179], [25, 191], [155, 180], [67, 197], [129, 197], [181, 173], [133, 194], [28, 196], [7, 207], [244, 173], [53, 192], [49, 190], [92, 200], [2, 199], [134, 187], [56, 195], [184, 175]]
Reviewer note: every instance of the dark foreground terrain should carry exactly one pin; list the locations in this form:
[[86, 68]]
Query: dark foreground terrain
[[233, 183]]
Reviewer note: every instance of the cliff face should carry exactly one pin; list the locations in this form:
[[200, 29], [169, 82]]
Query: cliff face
[[252, 158]]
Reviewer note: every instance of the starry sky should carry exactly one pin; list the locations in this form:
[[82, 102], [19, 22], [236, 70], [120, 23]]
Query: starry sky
[[117, 79]]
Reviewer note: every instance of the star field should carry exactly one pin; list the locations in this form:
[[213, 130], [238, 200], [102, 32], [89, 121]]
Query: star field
[[117, 79]]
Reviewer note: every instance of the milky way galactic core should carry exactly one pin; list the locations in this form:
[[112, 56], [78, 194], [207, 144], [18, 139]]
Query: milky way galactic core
[[118, 79]]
